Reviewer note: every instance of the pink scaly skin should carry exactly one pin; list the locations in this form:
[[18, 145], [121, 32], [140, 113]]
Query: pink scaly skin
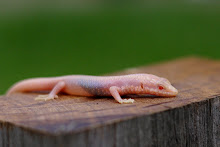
[[81, 85]]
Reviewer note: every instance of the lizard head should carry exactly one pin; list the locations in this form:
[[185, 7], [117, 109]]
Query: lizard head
[[159, 86]]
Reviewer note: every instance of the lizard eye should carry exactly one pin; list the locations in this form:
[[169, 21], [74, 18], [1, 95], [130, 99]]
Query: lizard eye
[[160, 87]]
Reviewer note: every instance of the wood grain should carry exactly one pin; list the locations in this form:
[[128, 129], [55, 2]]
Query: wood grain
[[190, 119]]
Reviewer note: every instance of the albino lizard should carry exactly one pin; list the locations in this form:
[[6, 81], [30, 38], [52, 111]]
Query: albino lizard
[[82, 85]]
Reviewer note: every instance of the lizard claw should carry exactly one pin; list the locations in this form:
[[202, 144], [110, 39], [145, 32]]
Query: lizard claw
[[45, 97], [127, 101]]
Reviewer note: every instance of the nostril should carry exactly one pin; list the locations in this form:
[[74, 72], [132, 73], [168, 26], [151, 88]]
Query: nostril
[[142, 85]]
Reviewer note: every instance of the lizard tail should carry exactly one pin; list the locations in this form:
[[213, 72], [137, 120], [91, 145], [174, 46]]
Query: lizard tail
[[35, 84]]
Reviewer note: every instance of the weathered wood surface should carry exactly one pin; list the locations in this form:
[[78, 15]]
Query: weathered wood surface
[[190, 119]]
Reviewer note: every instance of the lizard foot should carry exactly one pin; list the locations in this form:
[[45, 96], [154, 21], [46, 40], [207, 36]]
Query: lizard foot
[[45, 97], [127, 101]]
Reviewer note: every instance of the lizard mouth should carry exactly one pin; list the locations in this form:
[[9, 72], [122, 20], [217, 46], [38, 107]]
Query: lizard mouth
[[157, 92]]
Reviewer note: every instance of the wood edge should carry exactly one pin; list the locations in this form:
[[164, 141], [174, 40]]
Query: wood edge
[[99, 125], [159, 63]]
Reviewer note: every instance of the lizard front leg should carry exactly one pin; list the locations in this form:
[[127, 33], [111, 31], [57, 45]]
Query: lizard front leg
[[53, 94], [114, 92]]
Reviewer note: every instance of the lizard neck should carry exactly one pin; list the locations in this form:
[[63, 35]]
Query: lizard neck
[[124, 90]]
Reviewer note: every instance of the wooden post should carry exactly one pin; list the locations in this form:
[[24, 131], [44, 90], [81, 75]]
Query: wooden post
[[190, 119]]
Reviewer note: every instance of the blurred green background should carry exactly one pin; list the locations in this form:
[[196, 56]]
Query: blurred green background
[[94, 41]]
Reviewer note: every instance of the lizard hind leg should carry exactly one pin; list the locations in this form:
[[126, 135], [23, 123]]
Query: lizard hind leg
[[114, 92], [53, 94]]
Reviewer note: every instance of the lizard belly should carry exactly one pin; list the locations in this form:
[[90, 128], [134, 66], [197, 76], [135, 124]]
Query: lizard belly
[[94, 87]]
